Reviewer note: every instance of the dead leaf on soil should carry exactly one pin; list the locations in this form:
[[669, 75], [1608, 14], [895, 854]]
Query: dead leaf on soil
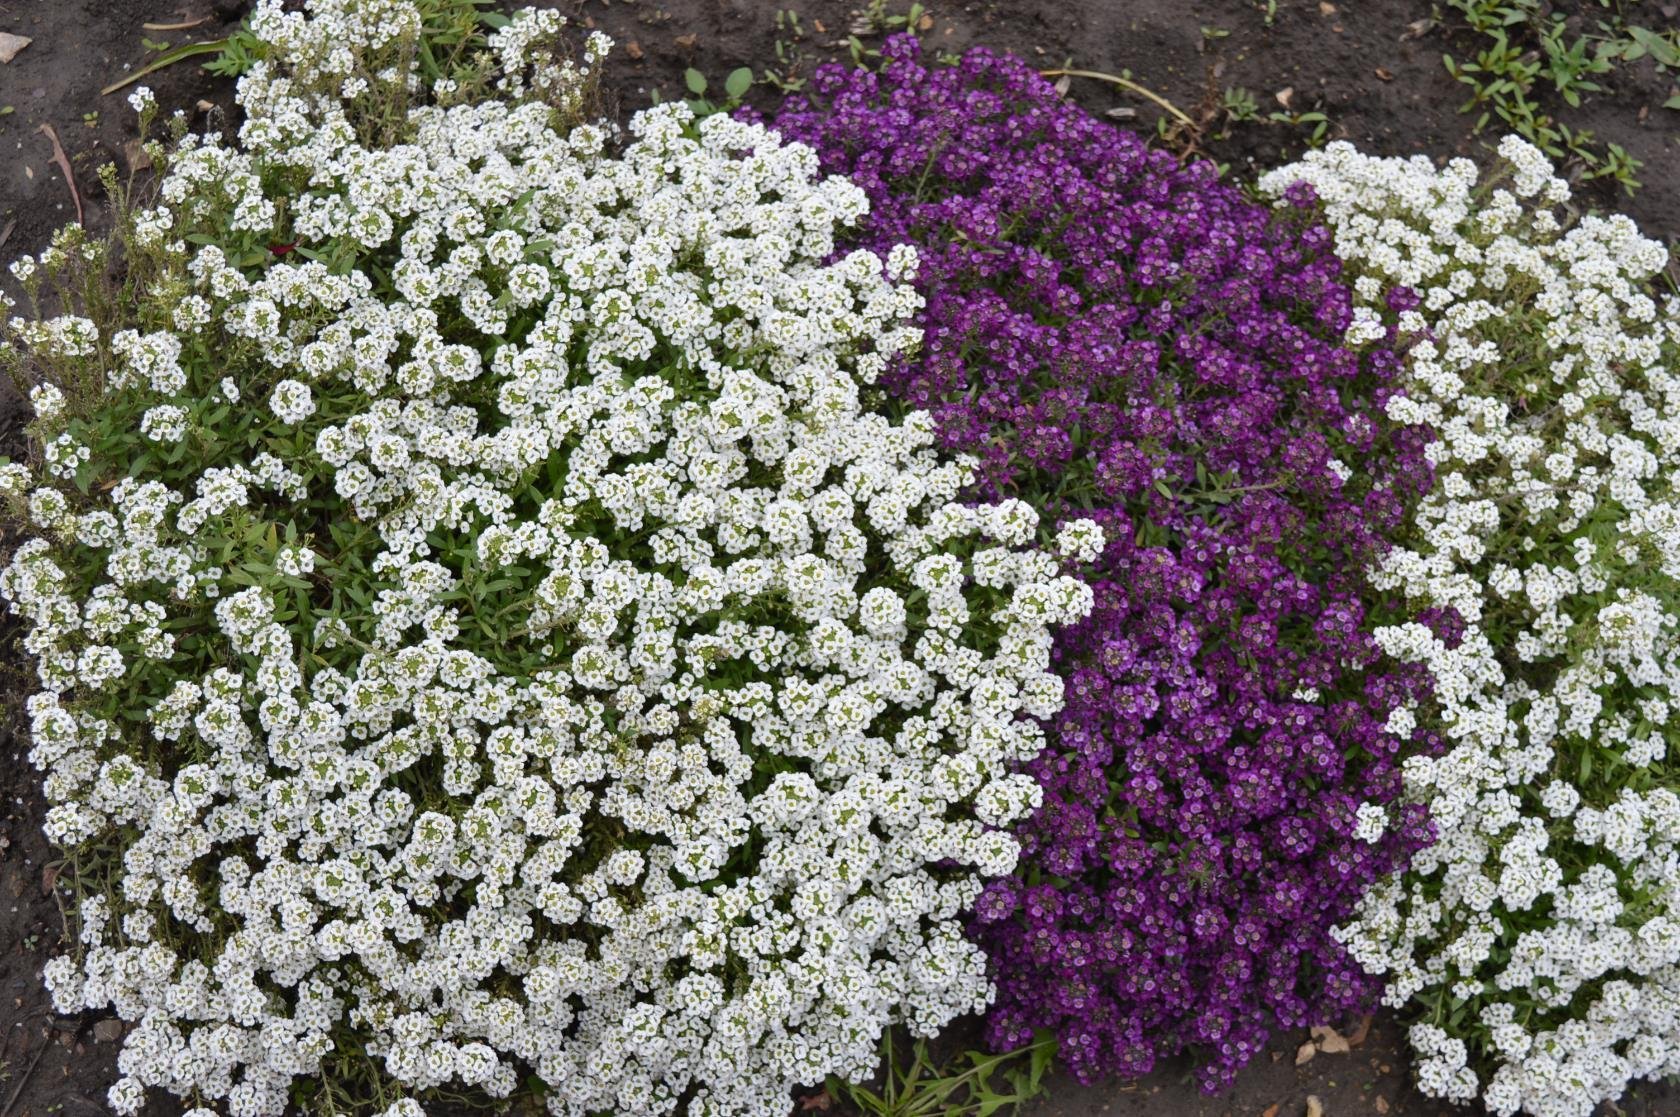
[[924, 23], [1418, 28], [49, 879], [63, 162], [1325, 8], [1360, 1032], [1121, 112], [634, 50], [1285, 95], [184, 25], [1385, 74], [1330, 1041], [1315, 1108], [10, 45], [1381, 1104], [108, 1031], [1063, 84], [1272, 1110], [687, 42], [819, 1101], [1305, 1052], [134, 154]]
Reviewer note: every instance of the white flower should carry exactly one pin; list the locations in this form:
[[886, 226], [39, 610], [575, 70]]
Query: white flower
[[291, 401], [551, 667], [1081, 540], [164, 423], [1372, 822]]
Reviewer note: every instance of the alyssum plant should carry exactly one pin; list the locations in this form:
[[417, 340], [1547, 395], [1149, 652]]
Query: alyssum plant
[[1118, 336], [1538, 942], [482, 632]]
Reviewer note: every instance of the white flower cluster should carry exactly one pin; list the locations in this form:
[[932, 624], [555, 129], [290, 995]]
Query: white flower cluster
[[1542, 932], [553, 667]]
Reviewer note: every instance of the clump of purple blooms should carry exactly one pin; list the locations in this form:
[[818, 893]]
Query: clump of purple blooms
[[1118, 335]]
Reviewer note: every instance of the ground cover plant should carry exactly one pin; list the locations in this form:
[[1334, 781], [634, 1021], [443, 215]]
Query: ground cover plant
[[1537, 944], [1119, 336], [484, 641]]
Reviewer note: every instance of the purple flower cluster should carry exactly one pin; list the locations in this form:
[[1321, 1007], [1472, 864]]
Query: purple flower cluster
[[1120, 336]]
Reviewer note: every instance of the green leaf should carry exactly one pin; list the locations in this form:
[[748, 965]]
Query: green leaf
[[738, 82], [494, 20], [696, 81], [1673, 102], [1664, 51], [166, 59]]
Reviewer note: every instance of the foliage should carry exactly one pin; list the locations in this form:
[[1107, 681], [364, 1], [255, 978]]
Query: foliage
[[1527, 57], [974, 1084]]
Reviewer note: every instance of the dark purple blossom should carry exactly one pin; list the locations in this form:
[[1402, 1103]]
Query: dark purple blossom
[[1118, 335]]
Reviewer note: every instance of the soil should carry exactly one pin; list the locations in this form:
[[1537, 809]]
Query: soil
[[1368, 65]]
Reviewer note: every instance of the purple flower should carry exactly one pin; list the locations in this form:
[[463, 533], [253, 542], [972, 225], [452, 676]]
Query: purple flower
[[1118, 335]]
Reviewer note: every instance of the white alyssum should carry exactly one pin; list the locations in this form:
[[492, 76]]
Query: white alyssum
[[1540, 938], [552, 667]]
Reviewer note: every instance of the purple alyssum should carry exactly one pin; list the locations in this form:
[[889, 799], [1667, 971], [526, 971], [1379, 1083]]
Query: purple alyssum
[[1118, 335]]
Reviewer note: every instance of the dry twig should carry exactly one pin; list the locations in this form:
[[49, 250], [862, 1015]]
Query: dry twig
[[17, 1091], [63, 162]]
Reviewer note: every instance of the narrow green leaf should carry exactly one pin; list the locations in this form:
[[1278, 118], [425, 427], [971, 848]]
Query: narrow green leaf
[[166, 59]]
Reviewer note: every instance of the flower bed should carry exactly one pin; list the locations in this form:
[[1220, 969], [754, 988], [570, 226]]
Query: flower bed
[[1116, 335], [627, 619], [480, 630], [1538, 943]]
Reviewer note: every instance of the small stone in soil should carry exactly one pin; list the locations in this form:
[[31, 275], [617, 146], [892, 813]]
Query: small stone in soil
[[11, 44]]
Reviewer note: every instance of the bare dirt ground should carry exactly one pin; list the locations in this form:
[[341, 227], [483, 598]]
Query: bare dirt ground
[[1361, 63]]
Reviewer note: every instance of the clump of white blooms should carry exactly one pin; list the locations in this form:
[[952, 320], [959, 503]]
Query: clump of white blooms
[[495, 635], [1541, 936]]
